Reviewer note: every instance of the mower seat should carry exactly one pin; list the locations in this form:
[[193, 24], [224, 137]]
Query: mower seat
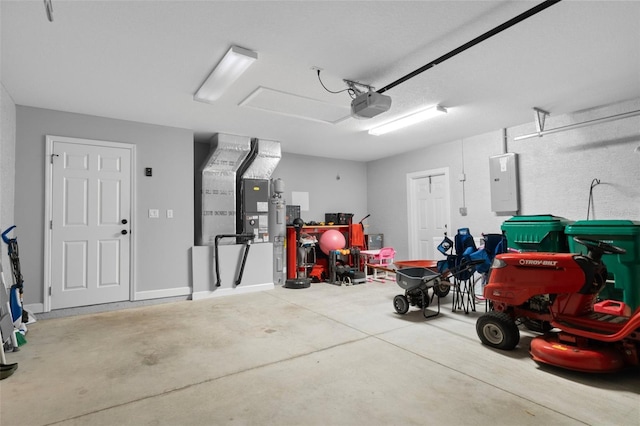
[[595, 275]]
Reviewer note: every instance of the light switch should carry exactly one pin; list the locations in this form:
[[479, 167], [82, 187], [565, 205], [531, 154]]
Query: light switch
[[154, 213], [169, 214]]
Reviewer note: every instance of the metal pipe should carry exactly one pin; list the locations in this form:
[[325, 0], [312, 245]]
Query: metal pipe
[[542, 6], [240, 207], [247, 238], [504, 140], [247, 246], [578, 125]]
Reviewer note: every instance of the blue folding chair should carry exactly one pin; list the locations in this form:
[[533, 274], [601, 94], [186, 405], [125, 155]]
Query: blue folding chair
[[460, 269]]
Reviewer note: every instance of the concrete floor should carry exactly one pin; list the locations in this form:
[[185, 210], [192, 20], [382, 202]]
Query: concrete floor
[[327, 355]]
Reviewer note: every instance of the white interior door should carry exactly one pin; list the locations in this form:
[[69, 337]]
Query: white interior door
[[428, 207], [90, 225]]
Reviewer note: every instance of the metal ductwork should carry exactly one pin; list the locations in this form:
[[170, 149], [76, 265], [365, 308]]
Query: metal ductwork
[[218, 186], [235, 187], [235, 200], [267, 158]]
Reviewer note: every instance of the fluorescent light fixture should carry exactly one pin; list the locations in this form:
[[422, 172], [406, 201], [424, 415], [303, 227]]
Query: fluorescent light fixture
[[233, 64], [408, 120]]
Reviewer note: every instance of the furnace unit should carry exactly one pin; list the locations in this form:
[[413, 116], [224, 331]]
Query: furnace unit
[[255, 208]]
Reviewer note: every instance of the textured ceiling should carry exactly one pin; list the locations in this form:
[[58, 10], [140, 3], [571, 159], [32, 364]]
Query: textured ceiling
[[143, 60]]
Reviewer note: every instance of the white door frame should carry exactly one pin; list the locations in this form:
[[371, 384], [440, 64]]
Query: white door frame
[[412, 219], [48, 211]]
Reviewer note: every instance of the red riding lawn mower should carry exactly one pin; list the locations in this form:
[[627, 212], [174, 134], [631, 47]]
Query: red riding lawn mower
[[555, 294]]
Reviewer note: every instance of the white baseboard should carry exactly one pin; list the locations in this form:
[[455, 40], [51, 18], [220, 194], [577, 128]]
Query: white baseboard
[[38, 308], [159, 294], [220, 292]]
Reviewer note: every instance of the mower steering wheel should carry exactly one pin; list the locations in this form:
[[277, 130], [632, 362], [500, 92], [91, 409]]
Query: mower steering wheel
[[599, 246]]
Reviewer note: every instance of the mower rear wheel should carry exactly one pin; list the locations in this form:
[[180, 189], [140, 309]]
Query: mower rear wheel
[[498, 330], [442, 288], [401, 304]]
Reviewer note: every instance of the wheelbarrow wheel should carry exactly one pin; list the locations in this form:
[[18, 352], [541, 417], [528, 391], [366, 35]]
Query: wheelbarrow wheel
[[7, 370], [401, 304], [498, 330], [442, 288]]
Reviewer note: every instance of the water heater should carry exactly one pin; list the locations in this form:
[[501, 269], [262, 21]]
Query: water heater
[[278, 230]]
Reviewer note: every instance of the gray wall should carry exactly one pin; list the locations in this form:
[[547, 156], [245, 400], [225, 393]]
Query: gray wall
[[7, 170], [557, 170], [327, 194], [318, 177], [555, 174], [162, 246]]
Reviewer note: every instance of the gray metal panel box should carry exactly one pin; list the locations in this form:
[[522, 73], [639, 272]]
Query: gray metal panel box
[[374, 241], [293, 212], [503, 170]]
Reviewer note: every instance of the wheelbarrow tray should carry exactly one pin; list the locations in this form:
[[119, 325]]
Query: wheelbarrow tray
[[429, 264], [413, 278]]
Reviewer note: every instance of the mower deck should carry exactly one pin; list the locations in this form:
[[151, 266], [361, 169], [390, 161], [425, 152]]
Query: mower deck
[[598, 359]]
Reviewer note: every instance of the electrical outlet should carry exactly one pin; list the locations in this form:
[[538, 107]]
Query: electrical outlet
[[463, 211], [154, 213], [169, 214]]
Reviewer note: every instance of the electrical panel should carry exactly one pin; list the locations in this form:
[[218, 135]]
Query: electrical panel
[[503, 170]]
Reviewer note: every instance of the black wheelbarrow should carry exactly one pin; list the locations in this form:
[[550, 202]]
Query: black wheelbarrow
[[416, 283]]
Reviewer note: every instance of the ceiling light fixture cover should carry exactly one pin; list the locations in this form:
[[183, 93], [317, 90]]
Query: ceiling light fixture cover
[[233, 64], [408, 120]]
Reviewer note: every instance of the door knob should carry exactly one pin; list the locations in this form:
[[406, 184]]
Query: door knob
[[124, 232], [124, 221]]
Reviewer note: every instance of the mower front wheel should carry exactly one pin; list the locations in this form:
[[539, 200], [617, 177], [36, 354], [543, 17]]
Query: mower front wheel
[[401, 304], [498, 330]]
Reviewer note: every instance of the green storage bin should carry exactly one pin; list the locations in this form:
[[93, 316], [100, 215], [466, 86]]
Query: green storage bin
[[624, 269], [543, 233]]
